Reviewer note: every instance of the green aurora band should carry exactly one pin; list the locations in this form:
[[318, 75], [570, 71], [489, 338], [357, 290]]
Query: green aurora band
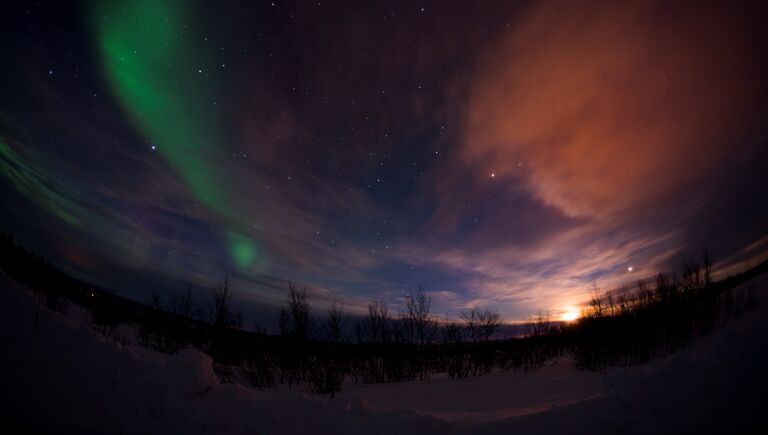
[[155, 74]]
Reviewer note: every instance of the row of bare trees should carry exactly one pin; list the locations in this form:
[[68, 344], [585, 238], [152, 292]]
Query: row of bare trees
[[413, 324], [373, 348], [633, 324], [624, 326]]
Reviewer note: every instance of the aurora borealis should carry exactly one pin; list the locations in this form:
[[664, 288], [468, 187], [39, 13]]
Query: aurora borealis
[[504, 154], [152, 73]]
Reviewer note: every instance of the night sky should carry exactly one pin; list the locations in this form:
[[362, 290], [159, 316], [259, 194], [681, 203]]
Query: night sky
[[503, 154]]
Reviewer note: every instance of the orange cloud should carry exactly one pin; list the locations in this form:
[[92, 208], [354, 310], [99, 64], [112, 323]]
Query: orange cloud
[[605, 110]]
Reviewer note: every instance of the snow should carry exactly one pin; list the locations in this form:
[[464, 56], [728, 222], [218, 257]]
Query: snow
[[63, 377], [484, 398]]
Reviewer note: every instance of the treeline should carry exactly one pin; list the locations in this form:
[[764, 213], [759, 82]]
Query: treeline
[[632, 325], [381, 346], [623, 326]]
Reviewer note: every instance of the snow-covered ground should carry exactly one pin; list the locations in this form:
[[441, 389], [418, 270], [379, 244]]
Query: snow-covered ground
[[64, 377], [483, 398]]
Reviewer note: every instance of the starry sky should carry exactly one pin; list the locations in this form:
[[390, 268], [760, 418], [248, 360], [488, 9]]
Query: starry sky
[[502, 154]]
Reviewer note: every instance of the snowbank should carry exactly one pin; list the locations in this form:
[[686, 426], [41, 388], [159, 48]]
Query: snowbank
[[64, 377]]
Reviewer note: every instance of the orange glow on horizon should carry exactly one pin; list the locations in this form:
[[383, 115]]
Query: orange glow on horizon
[[570, 314]]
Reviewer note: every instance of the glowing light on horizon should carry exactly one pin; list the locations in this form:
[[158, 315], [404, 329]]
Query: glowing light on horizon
[[570, 314]]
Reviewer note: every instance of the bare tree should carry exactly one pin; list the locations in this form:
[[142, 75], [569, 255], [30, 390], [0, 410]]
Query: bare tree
[[541, 324], [691, 274], [294, 317], [610, 302], [418, 326], [481, 324], [453, 333], [375, 326], [336, 323], [625, 302], [182, 304], [221, 315], [598, 309], [664, 287], [706, 261], [644, 296]]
